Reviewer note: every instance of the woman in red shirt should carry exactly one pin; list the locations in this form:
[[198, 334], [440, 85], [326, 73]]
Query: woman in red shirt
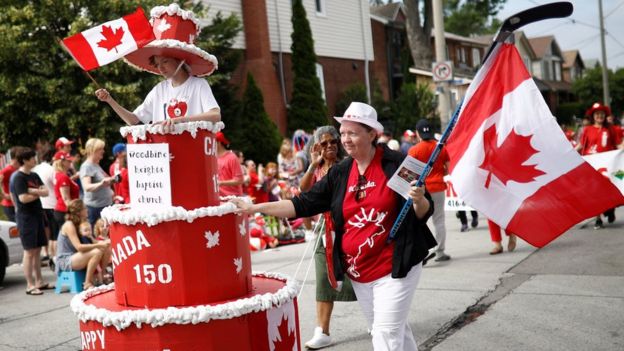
[[598, 137], [65, 189], [363, 208]]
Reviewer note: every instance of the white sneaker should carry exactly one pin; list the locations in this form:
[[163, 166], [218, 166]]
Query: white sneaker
[[319, 340]]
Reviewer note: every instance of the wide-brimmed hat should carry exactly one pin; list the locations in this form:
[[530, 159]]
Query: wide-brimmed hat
[[175, 31], [361, 113], [62, 155], [424, 129], [597, 106], [62, 141]]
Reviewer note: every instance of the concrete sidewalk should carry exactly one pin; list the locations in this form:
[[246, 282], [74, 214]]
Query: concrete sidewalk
[[567, 296]]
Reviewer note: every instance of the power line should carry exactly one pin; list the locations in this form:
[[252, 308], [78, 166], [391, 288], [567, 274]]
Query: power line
[[614, 39], [617, 55], [615, 9]]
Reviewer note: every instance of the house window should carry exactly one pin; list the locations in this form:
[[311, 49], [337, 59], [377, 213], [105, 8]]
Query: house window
[[527, 63], [320, 7], [319, 74], [463, 55], [476, 57], [557, 70]]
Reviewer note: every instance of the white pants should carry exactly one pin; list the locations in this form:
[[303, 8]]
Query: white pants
[[438, 219], [386, 304]]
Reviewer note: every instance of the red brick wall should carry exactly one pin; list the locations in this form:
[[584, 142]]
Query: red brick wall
[[380, 65]]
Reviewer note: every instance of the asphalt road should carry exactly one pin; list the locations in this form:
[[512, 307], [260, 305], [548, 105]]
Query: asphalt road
[[566, 296]]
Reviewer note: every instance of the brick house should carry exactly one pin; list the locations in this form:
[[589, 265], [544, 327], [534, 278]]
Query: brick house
[[342, 40]]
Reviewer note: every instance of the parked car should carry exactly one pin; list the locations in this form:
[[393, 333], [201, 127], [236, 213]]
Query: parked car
[[11, 250]]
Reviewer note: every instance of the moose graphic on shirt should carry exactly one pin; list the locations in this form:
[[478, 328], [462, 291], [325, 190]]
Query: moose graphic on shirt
[[359, 221]]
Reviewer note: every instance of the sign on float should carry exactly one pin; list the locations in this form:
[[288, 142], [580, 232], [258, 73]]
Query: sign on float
[[148, 169]]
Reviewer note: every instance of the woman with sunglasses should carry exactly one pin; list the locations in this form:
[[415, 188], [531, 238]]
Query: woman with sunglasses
[[363, 208], [324, 153]]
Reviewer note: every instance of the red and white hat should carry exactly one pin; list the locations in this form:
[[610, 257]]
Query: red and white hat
[[597, 106], [175, 31], [62, 141]]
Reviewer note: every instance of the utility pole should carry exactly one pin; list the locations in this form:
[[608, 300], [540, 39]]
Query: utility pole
[[605, 69], [440, 52]]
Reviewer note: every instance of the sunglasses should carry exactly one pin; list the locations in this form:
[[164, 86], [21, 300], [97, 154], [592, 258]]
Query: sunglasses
[[360, 192], [326, 143]]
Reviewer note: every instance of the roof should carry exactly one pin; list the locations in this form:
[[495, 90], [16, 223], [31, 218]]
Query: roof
[[570, 57], [388, 12], [458, 37], [541, 44]]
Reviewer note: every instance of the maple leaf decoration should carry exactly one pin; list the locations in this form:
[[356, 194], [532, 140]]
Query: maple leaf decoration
[[286, 338], [506, 161], [112, 38]]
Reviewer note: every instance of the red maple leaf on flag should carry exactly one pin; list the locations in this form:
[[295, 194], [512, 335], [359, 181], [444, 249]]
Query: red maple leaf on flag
[[287, 339], [506, 161], [112, 38]]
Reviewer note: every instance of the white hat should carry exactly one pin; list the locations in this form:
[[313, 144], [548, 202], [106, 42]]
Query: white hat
[[361, 113]]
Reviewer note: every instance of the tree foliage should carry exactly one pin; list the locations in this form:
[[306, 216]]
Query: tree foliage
[[415, 101], [44, 92], [307, 108], [253, 131], [589, 88], [466, 17]]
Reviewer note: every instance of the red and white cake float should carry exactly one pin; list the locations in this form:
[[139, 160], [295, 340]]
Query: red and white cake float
[[183, 277]]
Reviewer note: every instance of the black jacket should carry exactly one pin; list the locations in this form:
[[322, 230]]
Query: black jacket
[[413, 239]]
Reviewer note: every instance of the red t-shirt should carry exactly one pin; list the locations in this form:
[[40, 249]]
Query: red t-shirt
[[619, 134], [422, 151], [597, 139], [6, 176], [368, 223], [60, 180], [229, 169]]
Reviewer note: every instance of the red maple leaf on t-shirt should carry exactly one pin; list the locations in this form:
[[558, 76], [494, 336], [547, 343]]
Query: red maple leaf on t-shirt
[[506, 161], [112, 38], [287, 339]]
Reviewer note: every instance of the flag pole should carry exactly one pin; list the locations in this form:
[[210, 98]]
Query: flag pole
[[426, 171], [60, 42]]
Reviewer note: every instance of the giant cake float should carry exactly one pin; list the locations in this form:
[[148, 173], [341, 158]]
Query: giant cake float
[[183, 277]]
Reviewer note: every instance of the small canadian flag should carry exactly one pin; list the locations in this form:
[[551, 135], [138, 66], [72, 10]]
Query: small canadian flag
[[110, 41]]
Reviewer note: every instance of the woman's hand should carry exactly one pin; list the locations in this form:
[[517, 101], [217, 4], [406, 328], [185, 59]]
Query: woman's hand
[[103, 95], [167, 125], [416, 193], [316, 156], [242, 206]]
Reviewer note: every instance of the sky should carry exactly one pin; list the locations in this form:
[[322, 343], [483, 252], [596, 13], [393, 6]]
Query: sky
[[580, 31]]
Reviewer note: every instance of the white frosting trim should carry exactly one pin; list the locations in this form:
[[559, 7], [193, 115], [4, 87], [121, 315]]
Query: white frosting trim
[[171, 10], [183, 315], [139, 132], [126, 214]]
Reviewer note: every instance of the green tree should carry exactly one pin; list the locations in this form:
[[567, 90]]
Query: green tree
[[415, 101], [588, 89], [253, 131], [307, 109], [44, 92], [471, 16]]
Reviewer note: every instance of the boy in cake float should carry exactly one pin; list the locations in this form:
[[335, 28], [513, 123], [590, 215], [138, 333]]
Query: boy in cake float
[[183, 96]]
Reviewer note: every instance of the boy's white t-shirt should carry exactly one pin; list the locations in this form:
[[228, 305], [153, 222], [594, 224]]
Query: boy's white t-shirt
[[165, 101]]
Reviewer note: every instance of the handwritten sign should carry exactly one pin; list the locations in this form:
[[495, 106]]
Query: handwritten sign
[[148, 170]]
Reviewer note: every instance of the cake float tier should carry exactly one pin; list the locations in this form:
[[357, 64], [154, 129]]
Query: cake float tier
[[193, 160], [264, 319], [175, 257]]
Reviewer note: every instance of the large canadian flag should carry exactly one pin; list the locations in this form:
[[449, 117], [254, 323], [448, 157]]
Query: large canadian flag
[[110, 41], [511, 161]]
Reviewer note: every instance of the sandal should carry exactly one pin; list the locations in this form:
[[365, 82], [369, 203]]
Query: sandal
[[34, 292], [46, 286], [496, 251]]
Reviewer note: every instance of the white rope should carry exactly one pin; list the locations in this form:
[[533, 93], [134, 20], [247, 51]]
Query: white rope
[[318, 237], [306, 251]]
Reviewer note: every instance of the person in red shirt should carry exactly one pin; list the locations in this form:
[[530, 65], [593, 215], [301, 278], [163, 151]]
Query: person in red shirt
[[5, 175], [230, 172], [598, 137], [256, 188], [435, 181], [119, 170], [617, 127], [384, 273]]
